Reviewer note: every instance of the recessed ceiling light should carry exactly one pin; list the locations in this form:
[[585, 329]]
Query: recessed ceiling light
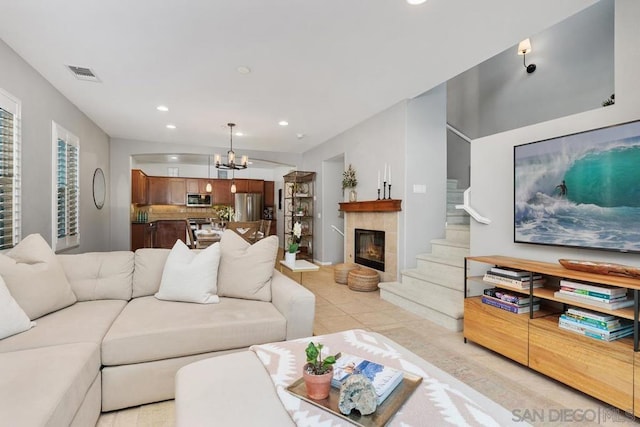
[[243, 69], [239, 134], [170, 126], [416, 1], [283, 123], [300, 135], [173, 157], [162, 108]]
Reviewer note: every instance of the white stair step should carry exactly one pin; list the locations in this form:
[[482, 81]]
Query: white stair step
[[449, 248], [397, 294], [438, 276], [455, 196], [458, 232], [458, 218], [452, 184], [450, 261]]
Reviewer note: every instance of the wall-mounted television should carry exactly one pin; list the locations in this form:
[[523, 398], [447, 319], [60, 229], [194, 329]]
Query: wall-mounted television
[[580, 190]]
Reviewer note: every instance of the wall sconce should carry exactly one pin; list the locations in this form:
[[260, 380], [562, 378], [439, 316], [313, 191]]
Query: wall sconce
[[524, 47]]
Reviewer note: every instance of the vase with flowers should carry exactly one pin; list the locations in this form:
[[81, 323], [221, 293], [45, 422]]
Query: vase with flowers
[[350, 181], [296, 236]]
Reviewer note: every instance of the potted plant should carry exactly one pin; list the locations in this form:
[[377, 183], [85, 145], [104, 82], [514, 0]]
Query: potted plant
[[296, 236], [226, 213], [317, 372], [349, 180]]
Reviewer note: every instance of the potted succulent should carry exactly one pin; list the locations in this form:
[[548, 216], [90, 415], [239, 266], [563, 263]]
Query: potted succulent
[[317, 372]]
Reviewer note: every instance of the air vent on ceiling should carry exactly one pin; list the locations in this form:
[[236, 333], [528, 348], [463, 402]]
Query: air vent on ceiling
[[83, 73]]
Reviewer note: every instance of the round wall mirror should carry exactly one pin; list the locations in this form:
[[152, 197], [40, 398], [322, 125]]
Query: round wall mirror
[[99, 188]]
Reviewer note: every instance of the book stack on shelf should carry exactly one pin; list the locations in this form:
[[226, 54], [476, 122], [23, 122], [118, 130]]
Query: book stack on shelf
[[600, 296], [513, 302], [513, 278], [383, 378], [604, 327]]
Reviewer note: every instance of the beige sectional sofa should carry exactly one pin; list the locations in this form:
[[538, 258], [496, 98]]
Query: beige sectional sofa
[[119, 346]]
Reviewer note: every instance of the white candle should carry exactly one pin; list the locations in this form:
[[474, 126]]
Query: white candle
[[378, 179], [389, 174], [385, 172]]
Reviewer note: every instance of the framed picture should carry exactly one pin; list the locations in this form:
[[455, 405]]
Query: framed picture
[[580, 190], [222, 174]]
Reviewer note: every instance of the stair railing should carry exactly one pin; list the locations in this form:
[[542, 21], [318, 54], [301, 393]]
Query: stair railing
[[471, 211]]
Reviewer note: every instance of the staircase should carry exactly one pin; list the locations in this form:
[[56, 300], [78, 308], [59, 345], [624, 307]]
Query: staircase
[[434, 289]]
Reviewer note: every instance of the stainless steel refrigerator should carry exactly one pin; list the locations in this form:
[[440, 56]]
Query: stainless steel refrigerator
[[248, 206]]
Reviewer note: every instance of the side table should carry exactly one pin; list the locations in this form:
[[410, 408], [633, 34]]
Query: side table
[[300, 266]]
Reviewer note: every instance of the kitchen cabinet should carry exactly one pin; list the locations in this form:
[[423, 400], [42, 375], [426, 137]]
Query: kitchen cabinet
[[169, 231], [138, 187], [242, 185], [197, 185], [167, 191], [143, 235], [269, 194], [255, 186], [222, 192]]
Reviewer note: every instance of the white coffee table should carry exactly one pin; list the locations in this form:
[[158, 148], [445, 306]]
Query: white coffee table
[[300, 266]]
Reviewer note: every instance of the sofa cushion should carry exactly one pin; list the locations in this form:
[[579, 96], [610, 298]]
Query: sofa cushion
[[13, 319], [245, 270], [190, 276], [45, 386], [86, 321], [99, 275], [147, 273], [150, 329], [35, 278]]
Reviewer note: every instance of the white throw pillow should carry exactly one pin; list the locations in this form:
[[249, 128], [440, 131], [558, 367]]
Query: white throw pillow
[[245, 269], [35, 277], [190, 276], [13, 319]]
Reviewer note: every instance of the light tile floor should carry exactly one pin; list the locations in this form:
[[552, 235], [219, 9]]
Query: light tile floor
[[540, 400]]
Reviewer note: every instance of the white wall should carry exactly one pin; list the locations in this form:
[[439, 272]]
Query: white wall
[[42, 103], [425, 165], [492, 156], [120, 183], [333, 250], [574, 73], [200, 171]]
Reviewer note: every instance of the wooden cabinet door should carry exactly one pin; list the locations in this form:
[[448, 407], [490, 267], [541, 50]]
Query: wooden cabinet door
[[269, 193], [138, 187], [158, 190], [169, 231], [242, 185], [137, 236], [193, 186], [256, 186], [177, 191], [222, 192]]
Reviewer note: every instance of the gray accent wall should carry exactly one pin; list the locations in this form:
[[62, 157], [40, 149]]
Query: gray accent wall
[[42, 103], [492, 156]]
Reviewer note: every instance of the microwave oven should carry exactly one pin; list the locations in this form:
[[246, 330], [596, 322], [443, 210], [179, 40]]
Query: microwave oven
[[199, 200]]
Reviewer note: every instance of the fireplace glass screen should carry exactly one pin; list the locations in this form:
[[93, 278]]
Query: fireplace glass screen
[[369, 250]]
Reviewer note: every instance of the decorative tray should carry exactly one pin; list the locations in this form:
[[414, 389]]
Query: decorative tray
[[383, 412]]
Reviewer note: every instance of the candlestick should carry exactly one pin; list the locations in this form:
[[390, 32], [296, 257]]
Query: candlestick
[[384, 186], [378, 193], [389, 191]]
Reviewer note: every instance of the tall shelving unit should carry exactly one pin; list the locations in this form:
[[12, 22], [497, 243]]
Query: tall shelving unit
[[299, 207]]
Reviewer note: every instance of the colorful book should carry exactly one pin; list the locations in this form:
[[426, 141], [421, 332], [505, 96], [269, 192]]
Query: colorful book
[[621, 325], [606, 297], [601, 335], [516, 283], [597, 323], [599, 304], [525, 278], [503, 305], [591, 314], [383, 378], [599, 289], [513, 298], [512, 272], [569, 291]]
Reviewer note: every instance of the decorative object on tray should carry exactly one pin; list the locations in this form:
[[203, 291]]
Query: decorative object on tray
[[383, 378], [357, 393], [318, 372], [600, 267]]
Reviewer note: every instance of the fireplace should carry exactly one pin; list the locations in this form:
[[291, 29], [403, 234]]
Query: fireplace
[[369, 248]]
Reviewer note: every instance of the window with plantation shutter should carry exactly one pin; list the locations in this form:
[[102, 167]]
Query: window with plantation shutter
[[9, 171], [66, 179]]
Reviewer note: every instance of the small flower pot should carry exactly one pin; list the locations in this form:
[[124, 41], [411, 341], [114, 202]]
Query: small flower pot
[[318, 386], [290, 258]]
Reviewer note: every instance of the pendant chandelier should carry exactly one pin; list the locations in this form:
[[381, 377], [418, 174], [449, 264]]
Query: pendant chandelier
[[231, 156]]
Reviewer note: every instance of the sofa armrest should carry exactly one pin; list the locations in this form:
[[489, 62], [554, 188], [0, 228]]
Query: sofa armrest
[[296, 303]]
